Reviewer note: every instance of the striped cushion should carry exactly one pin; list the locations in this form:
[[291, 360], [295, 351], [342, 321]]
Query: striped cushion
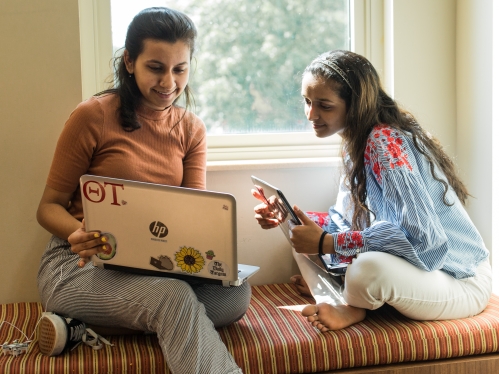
[[271, 338]]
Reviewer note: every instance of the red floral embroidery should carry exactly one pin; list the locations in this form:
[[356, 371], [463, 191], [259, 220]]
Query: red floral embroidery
[[350, 240], [389, 141], [344, 259], [320, 218], [341, 239]]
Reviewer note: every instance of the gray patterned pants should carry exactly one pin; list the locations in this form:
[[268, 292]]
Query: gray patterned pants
[[182, 315]]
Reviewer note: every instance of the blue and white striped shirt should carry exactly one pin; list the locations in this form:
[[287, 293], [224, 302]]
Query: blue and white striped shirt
[[411, 219]]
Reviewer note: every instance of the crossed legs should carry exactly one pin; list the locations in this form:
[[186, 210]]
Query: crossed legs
[[376, 278]]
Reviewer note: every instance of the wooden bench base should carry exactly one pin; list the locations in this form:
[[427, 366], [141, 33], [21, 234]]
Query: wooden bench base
[[481, 364]]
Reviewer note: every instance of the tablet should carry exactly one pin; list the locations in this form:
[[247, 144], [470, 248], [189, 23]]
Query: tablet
[[283, 211]]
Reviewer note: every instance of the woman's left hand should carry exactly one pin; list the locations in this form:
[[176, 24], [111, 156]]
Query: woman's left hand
[[305, 237]]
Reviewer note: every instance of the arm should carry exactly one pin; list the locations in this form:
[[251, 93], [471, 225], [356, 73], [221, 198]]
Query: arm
[[194, 162], [407, 224], [53, 216], [305, 237], [71, 159]]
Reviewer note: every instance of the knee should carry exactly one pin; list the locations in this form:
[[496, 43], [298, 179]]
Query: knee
[[225, 305], [366, 276], [174, 295], [366, 268]]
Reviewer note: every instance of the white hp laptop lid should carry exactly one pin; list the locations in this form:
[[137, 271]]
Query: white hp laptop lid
[[163, 230]]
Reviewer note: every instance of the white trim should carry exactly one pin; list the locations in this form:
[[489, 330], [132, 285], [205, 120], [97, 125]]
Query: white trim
[[286, 163], [271, 146], [96, 45], [389, 59], [368, 33]]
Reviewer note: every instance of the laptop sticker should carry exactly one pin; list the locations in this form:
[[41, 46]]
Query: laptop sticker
[[109, 246], [210, 254], [162, 263], [189, 260], [218, 269]]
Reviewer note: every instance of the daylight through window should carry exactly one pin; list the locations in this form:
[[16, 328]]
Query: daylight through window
[[250, 56]]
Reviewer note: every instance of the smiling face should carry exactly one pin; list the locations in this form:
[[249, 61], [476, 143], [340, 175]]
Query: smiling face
[[323, 107], [161, 72]]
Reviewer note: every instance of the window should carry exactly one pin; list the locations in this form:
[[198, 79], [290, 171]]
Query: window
[[247, 71], [250, 55]]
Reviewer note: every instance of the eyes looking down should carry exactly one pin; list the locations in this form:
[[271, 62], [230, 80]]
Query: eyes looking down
[[323, 107], [161, 72]]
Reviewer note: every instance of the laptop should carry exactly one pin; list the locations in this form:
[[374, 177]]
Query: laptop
[[160, 230], [283, 211]]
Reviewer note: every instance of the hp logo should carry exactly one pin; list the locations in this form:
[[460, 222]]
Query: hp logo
[[158, 229]]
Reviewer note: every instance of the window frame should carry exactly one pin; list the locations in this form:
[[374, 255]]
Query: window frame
[[367, 35]]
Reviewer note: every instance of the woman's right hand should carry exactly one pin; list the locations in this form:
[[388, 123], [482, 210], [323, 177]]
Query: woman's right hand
[[86, 244], [263, 214]]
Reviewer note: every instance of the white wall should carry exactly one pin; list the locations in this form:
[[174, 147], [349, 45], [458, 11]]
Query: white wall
[[474, 112], [425, 64], [311, 188], [40, 85]]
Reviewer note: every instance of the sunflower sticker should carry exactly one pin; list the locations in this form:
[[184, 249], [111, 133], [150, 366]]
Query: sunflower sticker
[[189, 260]]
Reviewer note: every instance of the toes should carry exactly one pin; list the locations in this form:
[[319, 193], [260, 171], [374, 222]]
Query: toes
[[309, 310], [319, 326], [312, 319]]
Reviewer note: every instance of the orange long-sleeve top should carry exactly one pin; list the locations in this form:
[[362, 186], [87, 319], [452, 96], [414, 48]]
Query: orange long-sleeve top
[[167, 149]]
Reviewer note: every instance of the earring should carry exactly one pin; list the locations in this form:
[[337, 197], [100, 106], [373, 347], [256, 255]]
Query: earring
[[129, 75]]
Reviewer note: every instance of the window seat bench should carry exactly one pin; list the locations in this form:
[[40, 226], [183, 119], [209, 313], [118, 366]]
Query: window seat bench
[[273, 337]]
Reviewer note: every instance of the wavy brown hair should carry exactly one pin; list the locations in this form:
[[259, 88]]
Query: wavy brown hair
[[368, 105]]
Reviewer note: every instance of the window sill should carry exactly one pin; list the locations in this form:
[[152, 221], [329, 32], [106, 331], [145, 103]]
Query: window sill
[[288, 163]]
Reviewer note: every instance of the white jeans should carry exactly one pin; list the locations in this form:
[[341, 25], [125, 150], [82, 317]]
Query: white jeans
[[376, 278]]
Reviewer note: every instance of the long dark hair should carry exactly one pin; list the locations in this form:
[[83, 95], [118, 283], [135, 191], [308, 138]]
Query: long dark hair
[[157, 23], [358, 84]]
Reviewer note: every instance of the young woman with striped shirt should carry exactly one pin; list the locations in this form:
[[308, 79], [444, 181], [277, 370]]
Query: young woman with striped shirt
[[399, 216]]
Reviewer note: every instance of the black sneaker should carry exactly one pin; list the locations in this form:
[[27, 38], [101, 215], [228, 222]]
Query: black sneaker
[[56, 333]]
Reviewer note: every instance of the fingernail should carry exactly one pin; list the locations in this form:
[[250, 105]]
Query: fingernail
[[96, 235], [104, 239], [104, 247]]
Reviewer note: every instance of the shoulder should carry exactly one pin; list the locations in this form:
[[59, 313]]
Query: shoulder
[[384, 136], [387, 148], [90, 115], [97, 106], [190, 121]]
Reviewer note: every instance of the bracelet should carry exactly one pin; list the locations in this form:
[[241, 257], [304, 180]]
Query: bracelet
[[321, 240]]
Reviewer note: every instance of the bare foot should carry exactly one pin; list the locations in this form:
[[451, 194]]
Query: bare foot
[[328, 317], [301, 285]]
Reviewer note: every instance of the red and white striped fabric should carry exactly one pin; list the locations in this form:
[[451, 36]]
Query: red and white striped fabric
[[272, 337]]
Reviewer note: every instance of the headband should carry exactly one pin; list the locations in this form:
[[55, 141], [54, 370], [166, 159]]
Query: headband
[[336, 68]]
